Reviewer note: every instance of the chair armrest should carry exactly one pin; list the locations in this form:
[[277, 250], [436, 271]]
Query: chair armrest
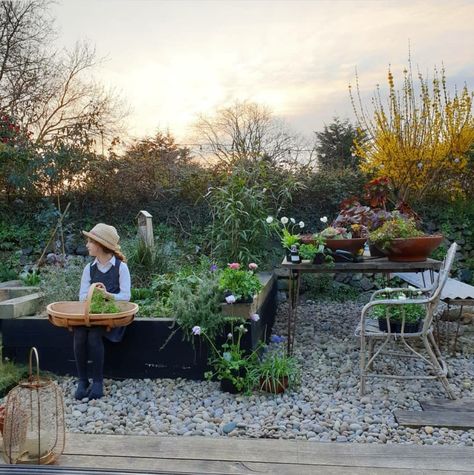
[[423, 290]]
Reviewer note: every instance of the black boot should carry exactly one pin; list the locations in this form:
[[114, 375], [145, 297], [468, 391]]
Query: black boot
[[96, 391], [82, 388]]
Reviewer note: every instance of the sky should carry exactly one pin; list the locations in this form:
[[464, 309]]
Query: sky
[[174, 60]]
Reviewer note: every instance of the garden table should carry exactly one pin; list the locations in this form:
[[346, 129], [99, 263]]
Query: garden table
[[368, 265]]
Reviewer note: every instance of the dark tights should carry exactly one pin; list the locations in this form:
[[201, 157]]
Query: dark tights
[[88, 344]]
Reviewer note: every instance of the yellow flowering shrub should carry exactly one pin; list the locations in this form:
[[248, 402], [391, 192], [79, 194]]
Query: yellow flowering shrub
[[418, 138]]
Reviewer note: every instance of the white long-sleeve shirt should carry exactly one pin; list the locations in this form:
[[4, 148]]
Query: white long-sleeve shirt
[[124, 279]]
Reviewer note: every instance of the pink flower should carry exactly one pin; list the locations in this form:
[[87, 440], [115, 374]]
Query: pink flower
[[234, 265], [253, 266], [255, 317]]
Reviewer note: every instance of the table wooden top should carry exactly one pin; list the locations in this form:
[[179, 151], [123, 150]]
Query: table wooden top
[[367, 265]]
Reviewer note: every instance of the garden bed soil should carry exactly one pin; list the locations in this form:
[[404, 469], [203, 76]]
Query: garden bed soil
[[142, 352]]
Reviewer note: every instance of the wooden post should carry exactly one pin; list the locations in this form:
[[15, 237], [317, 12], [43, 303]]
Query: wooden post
[[145, 228]]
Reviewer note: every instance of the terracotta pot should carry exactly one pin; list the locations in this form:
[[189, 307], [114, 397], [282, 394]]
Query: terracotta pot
[[307, 238], [274, 387], [415, 249], [352, 245]]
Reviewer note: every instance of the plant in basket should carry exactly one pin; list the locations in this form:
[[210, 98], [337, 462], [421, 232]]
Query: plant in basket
[[239, 284], [232, 365], [395, 317]]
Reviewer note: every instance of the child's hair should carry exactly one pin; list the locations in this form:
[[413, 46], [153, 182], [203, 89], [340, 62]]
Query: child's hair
[[108, 250]]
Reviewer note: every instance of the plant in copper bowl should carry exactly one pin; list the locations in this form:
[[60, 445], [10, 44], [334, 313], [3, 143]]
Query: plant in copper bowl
[[401, 239]]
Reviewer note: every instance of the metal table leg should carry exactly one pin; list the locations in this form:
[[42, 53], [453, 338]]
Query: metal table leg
[[294, 292]]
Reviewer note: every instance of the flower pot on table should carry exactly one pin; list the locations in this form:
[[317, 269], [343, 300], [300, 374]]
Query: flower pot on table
[[415, 249]]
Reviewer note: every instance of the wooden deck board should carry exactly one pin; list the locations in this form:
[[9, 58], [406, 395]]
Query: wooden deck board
[[436, 418], [244, 456], [458, 405]]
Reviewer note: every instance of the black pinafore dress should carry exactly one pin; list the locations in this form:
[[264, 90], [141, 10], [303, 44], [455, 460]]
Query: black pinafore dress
[[111, 280]]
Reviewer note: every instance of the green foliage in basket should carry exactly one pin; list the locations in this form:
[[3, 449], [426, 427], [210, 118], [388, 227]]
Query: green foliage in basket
[[99, 304]]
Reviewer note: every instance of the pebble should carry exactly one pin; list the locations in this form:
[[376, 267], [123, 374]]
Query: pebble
[[325, 407]]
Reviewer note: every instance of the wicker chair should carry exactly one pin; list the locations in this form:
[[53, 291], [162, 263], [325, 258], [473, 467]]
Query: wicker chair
[[373, 341]]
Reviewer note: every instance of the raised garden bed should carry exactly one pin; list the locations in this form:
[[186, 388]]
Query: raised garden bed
[[139, 355]]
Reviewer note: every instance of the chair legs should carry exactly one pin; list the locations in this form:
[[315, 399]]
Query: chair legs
[[438, 364]]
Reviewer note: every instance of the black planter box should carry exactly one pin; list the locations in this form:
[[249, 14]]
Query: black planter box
[[396, 327], [140, 353]]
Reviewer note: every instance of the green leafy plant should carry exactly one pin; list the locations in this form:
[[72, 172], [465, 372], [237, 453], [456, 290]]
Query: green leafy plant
[[242, 284], [411, 312], [61, 283], [395, 228], [232, 362], [31, 278], [197, 302], [10, 375], [308, 251], [277, 371], [99, 304]]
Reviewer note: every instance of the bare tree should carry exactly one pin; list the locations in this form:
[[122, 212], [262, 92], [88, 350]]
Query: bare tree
[[50, 92], [247, 131]]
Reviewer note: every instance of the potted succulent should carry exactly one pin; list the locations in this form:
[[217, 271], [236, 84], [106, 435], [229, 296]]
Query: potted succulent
[[277, 372], [395, 318], [402, 241], [351, 238], [232, 365]]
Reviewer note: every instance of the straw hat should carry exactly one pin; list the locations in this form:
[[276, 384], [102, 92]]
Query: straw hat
[[105, 235]]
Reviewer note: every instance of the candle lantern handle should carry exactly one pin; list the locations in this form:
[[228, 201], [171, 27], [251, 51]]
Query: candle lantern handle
[[34, 351]]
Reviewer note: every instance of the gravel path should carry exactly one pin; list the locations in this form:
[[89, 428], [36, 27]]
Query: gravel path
[[326, 407]]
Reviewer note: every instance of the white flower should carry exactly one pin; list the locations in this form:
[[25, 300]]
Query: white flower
[[402, 297], [284, 220], [229, 336], [293, 220], [456, 160], [196, 330], [255, 317], [420, 165], [324, 219], [230, 299], [264, 190], [301, 224], [410, 287], [269, 220]]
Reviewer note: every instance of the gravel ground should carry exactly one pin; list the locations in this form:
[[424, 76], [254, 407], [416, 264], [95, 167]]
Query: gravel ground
[[326, 407]]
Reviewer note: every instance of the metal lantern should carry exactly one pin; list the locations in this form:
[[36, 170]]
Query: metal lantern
[[34, 429]]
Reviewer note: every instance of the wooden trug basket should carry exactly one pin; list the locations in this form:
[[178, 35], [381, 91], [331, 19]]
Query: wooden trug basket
[[73, 314]]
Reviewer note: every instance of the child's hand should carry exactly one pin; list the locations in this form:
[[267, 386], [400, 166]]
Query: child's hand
[[100, 287]]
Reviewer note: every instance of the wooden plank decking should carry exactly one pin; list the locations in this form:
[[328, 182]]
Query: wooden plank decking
[[204, 455]]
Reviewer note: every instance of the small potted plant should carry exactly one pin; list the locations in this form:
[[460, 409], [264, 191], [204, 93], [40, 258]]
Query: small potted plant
[[285, 230], [395, 318], [402, 241], [314, 251], [351, 238], [277, 372], [241, 284], [232, 366]]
